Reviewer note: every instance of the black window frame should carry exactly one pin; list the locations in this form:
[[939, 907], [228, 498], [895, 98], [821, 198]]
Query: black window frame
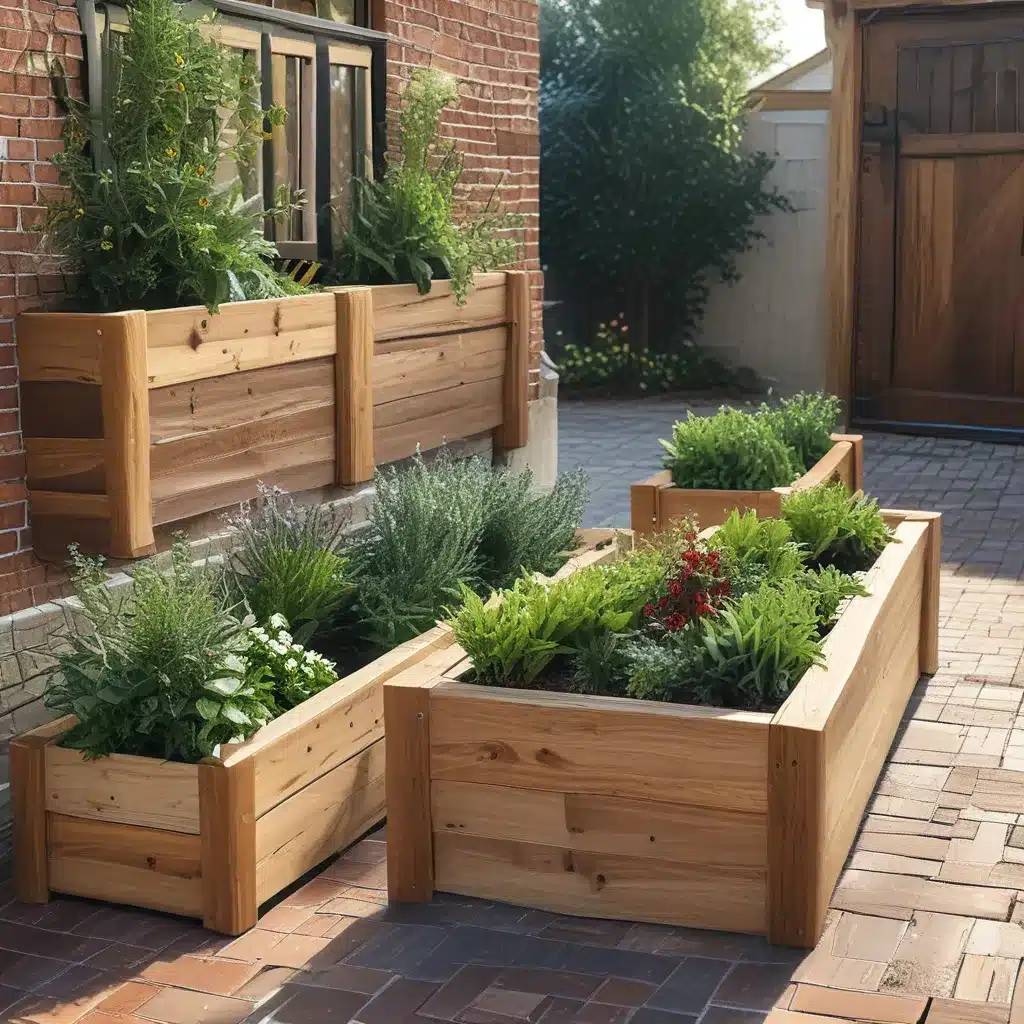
[[322, 33]]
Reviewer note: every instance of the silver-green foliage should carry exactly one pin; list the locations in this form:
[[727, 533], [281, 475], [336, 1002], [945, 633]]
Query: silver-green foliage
[[163, 671]]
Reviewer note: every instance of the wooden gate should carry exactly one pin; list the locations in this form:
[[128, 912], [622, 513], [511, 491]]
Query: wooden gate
[[940, 296]]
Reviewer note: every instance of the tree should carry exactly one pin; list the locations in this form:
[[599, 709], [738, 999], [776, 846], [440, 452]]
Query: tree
[[644, 188]]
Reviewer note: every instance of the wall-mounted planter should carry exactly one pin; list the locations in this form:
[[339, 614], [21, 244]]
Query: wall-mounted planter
[[138, 419], [635, 810], [656, 502]]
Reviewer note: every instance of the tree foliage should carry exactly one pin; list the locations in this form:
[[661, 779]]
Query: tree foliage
[[144, 221], [645, 188]]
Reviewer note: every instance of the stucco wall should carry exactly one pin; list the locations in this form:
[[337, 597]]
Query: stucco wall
[[773, 318]]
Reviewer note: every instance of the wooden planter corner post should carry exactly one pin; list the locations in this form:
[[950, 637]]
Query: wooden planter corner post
[[354, 386], [514, 431], [85, 413], [657, 502]]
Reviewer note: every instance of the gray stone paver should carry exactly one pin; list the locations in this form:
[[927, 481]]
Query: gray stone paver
[[901, 943]]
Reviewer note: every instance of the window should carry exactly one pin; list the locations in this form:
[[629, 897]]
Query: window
[[324, 71]]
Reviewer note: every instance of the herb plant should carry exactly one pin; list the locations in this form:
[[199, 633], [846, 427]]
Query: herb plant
[[404, 228], [732, 451], [141, 216], [836, 528], [805, 422], [290, 561], [164, 672], [758, 549], [293, 672]]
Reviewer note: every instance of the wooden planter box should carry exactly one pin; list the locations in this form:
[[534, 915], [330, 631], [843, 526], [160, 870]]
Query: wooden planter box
[[656, 502], [138, 419], [211, 840], [642, 811]]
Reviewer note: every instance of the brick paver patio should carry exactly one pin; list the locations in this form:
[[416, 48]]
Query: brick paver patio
[[926, 923]]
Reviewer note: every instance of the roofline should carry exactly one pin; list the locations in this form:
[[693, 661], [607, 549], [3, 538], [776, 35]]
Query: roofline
[[791, 74]]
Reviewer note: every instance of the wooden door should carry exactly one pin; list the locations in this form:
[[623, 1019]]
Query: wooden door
[[940, 296]]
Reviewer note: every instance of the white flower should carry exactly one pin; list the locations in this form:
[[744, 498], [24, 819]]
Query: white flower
[[291, 664], [278, 648], [278, 621]]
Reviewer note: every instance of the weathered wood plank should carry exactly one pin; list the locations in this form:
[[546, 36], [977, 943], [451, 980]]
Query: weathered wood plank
[[401, 312], [69, 464], [61, 409], [63, 346], [190, 343], [319, 820], [600, 885], [144, 867], [132, 790]]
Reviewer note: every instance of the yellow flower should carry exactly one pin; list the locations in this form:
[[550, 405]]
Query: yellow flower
[[106, 245], [171, 151], [180, 60], [204, 202], [268, 135], [79, 213], [201, 170], [180, 87]]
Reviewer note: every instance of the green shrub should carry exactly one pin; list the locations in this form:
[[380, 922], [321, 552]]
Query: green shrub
[[732, 451], [142, 220], [757, 648], [805, 422], [836, 528], [436, 527], [163, 672], [830, 588], [758, 549], [403, 229], [609, 365], [290, 561]]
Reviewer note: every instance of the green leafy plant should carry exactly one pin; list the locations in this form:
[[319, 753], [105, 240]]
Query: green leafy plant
[[404, 228], [805, 422], [836, 528], [163, 672], [757, 549], [142, 218], [831, 588], [731, 450], [609, 364], [290, 561], [757, 648], [293, 672]]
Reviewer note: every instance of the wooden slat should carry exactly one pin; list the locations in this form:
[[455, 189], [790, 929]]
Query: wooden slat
[[69, 464], [191, 343], [310, 740], [515, 423], [401, 312], [318, 821], [600, 885], [228, 846], [355, 386], [712, 507], [601, 824], [428, 420], [143, 867], [27, 769], [203, 472], [126, 438], [132, 790], [835, 464], [961, 144], [74, 506], [63, 346], [404, 369], [218, 403], [704, 757], [643, 502], [52, 408], [829, 740]]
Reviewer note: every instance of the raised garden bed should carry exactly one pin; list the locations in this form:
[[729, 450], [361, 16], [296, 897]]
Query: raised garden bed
[[692, 816], [139, 419], [656, 502], [217, 839]]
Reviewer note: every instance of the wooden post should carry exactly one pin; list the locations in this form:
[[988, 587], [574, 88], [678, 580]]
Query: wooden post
[[125, 402], [227, 842], [353, 371], [929, 657], [410, 845], [844, 44], [514, 431], [643, 505], [857, 440]]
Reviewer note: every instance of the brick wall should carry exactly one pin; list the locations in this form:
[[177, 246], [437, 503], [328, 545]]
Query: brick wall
[[495, 55]]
